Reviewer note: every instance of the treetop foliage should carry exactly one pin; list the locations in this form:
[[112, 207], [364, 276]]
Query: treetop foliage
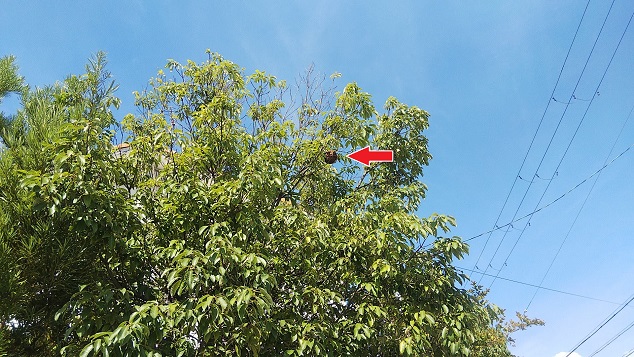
[[222, 230]]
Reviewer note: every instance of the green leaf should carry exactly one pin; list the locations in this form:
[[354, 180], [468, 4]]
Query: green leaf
[[357, 327], [222, 302], [402, 345], [97, 345], [430, 319], [85, 352], [452, 348]]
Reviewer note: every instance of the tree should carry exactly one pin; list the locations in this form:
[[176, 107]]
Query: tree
[[41, 260], [223, 230], [10, 82]]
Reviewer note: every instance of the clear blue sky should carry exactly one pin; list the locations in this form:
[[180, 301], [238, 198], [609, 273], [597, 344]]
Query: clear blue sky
[[484, 70]]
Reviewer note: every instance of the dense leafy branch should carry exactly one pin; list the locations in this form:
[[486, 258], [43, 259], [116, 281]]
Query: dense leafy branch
[[219, 229]]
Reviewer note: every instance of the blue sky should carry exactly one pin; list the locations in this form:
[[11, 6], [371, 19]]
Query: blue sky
[[485, 72]]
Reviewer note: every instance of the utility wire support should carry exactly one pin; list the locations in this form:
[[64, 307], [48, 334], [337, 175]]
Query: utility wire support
[[580, 209], [575, 133], [534, 135]]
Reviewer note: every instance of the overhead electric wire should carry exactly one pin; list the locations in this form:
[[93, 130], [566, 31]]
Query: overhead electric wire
[[546, 205], [536, 131], [580, 209], [614, 338], [549, 289], [576, 130], [601, 325], [552, 138]]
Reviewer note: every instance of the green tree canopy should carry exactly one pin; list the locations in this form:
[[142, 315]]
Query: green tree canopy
[[219, 229], [10, 82]]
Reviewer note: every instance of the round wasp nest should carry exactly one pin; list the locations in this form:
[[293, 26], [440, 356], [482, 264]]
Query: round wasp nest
[[330, 156]]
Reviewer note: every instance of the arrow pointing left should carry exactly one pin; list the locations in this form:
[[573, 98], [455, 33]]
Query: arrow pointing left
[[365, 156]]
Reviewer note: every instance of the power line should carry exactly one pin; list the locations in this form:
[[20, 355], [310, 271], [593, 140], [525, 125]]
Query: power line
[[578, 126], [551, 202], [576, 130], [605, 322], [552, 138], [536, 131], [544, 288], [614, 338], [580, 209], [509, 224]]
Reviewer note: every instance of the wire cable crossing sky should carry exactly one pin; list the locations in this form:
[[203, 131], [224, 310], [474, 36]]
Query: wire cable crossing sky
[[530, 146], [577, 128], [550, 142], [602, 325], [528, 215], [583, 204]]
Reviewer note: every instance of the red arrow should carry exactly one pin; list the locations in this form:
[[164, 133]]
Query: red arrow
[[365, 156]]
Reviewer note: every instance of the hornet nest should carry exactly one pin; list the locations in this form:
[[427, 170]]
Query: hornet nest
[[330, 156]]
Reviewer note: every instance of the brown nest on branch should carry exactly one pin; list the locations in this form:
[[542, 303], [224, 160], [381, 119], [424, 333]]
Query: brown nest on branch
[[330, 156]]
